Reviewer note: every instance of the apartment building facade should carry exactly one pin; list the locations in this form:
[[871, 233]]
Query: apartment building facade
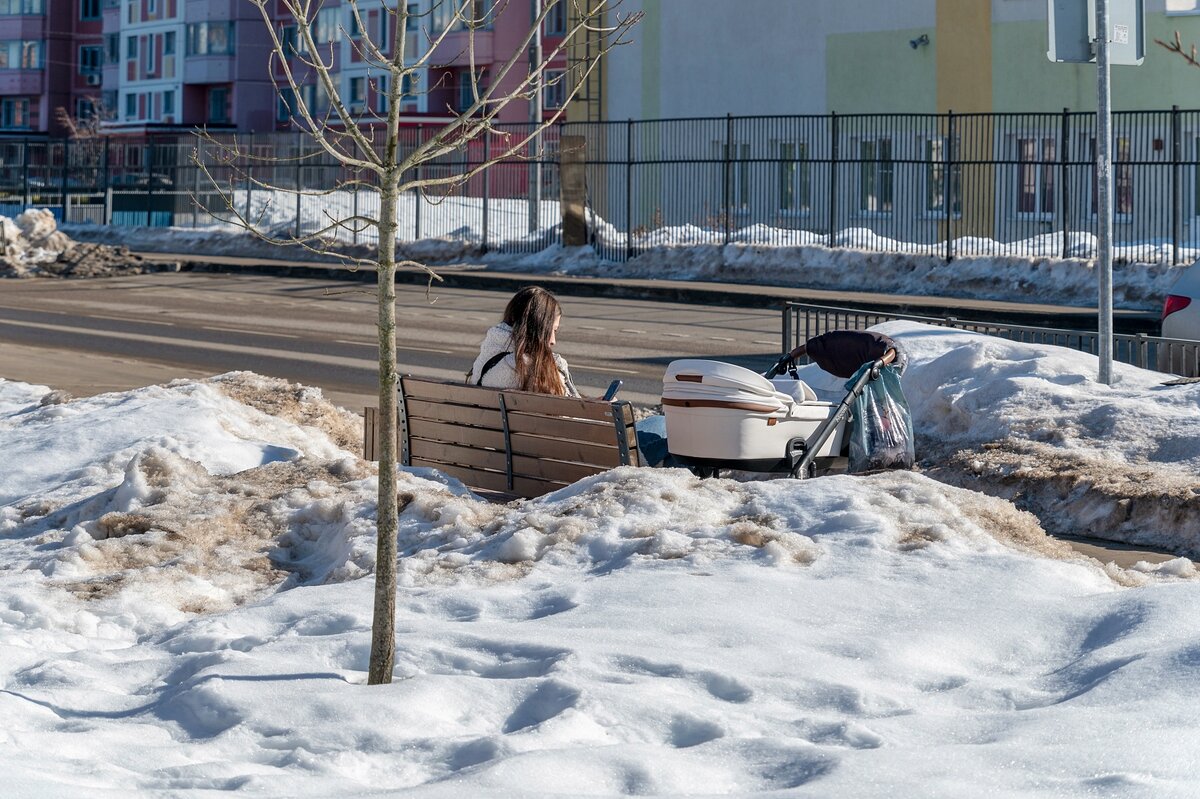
[[145, 65]]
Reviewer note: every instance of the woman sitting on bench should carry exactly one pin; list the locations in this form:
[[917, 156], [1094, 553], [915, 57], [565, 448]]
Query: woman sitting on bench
[[519, 352]]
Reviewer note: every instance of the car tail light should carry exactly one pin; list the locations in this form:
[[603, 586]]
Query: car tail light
[[1175, 303]]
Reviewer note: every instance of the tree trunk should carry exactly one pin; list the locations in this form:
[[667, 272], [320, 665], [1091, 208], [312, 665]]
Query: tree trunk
[[383, 628]]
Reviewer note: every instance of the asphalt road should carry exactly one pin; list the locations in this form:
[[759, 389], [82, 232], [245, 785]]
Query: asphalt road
[[114, 334]]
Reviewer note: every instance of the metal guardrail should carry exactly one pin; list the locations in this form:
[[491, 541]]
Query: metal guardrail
[[802, 321]]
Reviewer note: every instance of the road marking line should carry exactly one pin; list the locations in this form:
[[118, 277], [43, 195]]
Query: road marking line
[[244, 330], [631, 330], [127, 319], [761, 341], [606, 369], [719, 338], [375, 345], [677, 335], [591, 327]]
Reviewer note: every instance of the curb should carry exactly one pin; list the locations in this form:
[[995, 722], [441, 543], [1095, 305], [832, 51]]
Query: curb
[[739, 295]]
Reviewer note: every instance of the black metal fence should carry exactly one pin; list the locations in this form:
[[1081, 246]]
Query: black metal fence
[[801, 321], [943, 185]]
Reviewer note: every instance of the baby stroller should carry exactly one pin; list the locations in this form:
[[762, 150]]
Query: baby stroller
[[722, 416]]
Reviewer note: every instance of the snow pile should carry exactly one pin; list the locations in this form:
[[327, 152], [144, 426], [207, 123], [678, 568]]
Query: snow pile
[[31, 245], [185, 605], [1031, 423]]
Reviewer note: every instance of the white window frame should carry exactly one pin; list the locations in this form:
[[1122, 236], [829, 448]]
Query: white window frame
[[951, 178], [554, 90], [793, 178], [1119, 165], [151, 60], [1045, 175], [874, 172]]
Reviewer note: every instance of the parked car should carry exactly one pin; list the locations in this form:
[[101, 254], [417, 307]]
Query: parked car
[[1181, 309], [1181, 320]]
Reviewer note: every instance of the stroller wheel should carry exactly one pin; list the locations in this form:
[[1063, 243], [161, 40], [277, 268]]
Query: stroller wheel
[[704, 472]]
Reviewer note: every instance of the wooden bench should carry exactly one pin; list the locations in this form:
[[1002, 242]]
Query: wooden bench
[[510, 442]]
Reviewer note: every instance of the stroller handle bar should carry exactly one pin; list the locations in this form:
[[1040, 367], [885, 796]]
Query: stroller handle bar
[[813, 445]]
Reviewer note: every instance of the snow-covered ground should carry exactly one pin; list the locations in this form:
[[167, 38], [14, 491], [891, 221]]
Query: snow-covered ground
[[186, 593], [454, 229]]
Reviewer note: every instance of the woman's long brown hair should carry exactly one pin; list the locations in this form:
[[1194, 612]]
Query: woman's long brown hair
[[531, 314]]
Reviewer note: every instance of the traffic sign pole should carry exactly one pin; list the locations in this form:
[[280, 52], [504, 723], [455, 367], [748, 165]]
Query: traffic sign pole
[[1104, 198]]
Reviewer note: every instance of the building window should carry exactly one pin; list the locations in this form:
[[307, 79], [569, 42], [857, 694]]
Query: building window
[[151, 54], [218, 105], [168, 102], [169, 43], [89, 9], [466, 92], [556, 19], [357, 91], [131, 106], [412, 22], [554, 92], [1035, 176], [1122, 171], [479, 14], [14, 112], [325, 28], [286, 106], [20, 54], [151, 7], [289, 41], [131, 47], [85, 109], [112, 48], [18, 8], [91, 59], [939, 180], [131, 15], [795, 187], [210, 38], [875, 176]]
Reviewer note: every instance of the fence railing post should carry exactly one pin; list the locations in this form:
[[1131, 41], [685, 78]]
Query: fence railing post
[[419, 193], [628, 189], [105, 184], [62, 178], [27, 199], [199, 157], [487, 180], [148, 160], [1176, 183], [727, 176], [948, 185], [249, 176], [833, 175], [1064, 184], [300, 197]]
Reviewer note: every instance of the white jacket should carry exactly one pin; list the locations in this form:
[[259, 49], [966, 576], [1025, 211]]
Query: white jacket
[[504, 373]]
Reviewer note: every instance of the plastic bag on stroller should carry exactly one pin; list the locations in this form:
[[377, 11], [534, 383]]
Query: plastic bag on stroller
[[881, 434]]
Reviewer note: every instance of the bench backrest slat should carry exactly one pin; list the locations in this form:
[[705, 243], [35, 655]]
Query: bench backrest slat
[[550, 441]]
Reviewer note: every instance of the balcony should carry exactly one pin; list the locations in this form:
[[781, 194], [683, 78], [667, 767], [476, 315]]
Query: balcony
[[453, 50], [25, 28], [22, 8], [21, 81], [209, 69], [206, 10]]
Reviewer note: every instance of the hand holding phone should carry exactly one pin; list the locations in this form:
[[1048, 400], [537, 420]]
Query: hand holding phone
[[613, 388]]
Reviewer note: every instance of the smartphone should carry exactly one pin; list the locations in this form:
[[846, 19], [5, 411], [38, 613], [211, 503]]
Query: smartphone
[[613, 388]]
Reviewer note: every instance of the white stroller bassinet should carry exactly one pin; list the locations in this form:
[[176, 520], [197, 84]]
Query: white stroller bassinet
[[722, 416]]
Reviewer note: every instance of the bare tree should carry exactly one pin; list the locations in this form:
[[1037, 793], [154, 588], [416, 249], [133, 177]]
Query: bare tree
[[1176, 46], [88, 125], [364, 141]]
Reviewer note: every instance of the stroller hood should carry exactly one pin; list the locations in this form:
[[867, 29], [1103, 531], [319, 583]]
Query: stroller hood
[[695, 379]]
